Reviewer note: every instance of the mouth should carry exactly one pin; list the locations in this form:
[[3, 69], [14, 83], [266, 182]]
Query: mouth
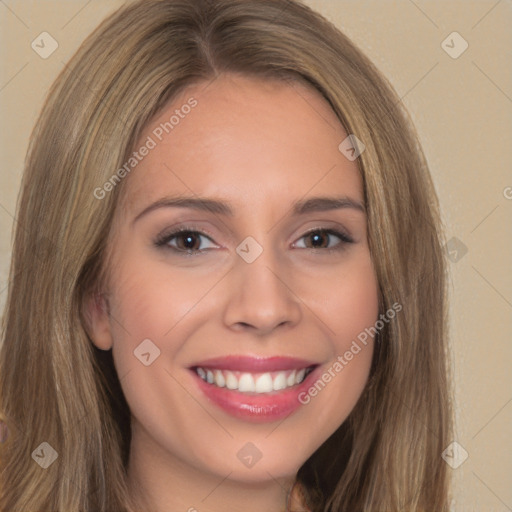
[[253, 383], [254, 389]]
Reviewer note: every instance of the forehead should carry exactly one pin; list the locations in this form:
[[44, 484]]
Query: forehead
[[243, 139]]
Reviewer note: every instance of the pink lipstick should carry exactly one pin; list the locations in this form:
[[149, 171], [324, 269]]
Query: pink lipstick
[[255, 389]]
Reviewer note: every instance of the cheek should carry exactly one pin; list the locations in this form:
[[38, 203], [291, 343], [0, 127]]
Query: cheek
[[151, 301], [166, 306], [348, 307], [355, 310], [353, 305], [345, 298]]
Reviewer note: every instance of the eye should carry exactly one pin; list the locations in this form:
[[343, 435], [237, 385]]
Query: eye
[[185, 240], [190, 241], [323, 239]]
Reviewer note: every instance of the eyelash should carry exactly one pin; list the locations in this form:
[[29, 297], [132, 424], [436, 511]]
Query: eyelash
[[163, 240]]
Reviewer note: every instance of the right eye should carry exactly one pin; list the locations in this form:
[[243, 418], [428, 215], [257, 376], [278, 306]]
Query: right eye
[[184, 240]]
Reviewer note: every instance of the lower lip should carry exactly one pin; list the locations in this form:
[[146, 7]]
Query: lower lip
[[257, 408]]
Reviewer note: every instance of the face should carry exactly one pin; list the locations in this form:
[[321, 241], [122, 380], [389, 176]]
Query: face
[[240, 277]]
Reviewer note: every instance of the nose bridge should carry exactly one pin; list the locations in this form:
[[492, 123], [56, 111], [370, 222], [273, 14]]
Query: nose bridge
[[264, 275], [259, 294]]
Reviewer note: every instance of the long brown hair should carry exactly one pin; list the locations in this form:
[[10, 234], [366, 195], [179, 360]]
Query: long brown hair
[[56, 387]]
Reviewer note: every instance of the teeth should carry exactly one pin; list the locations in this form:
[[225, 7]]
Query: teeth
[[253, 383], [246, 383], [219, 379], [231, 381], [264, 383], [279, 381]]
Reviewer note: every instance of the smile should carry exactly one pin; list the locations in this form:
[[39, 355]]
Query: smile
[[252, 388], [246, 382]]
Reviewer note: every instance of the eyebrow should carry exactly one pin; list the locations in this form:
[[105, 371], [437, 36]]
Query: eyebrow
[[301, 207]]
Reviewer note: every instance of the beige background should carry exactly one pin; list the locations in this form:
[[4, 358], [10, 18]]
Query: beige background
[[463, 111]]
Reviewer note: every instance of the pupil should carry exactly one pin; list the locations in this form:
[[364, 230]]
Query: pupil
[[189, 241], [317, 239]]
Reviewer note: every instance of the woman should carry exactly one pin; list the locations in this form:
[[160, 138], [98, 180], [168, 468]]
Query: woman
[[234, 293]]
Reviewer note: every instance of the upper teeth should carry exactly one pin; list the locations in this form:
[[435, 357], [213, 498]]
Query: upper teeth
[[253, 382]]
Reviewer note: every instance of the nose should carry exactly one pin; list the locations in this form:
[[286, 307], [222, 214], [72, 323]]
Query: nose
[[261, 297]]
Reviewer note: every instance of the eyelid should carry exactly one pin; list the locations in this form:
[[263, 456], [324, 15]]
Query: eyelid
[[163, 239], [337, 232], [331, 230]]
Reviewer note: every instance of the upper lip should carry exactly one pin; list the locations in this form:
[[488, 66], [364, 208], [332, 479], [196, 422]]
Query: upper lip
[[254, 364]]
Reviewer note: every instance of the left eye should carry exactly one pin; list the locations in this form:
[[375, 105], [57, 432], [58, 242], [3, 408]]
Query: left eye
[[322, 238]]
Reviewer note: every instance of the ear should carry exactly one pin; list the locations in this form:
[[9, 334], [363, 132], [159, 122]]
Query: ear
[[96, 312]]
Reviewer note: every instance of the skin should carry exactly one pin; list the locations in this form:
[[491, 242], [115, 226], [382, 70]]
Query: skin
[[261, 146]]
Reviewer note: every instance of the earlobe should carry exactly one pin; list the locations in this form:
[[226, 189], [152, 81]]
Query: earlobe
[[98, 321]]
